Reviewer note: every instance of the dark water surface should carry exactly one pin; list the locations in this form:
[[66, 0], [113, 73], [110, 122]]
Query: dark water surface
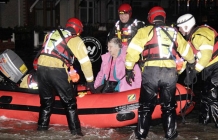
[[188, 128]]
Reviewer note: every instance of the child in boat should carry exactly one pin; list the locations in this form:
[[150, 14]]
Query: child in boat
[[113, 69]]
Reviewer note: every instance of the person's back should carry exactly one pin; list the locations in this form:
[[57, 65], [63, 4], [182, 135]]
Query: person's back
[[51, 48], [160, 49], [159, 45], [57, 55]]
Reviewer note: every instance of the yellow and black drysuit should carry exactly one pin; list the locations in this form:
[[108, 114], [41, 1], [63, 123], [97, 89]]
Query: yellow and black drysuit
[[158, 44], [52, 75], [204, 41], [125, 31]]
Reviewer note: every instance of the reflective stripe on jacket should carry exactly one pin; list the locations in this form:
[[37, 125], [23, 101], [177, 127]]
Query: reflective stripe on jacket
[[205, 46], [78, 48], [126, 31], [55, 46], [161, 46], [139, 42]]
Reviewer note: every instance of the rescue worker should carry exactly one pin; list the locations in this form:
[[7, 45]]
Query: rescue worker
[[159, 45], [59, 49], [126, 27], [203, 40]]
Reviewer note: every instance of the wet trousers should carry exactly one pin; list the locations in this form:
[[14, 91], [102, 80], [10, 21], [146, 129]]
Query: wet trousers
[[209, 100], [209, 103], [51, 82], [163, 81]]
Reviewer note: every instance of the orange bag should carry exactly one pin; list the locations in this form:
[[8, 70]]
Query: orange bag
[[179, 63], [73, 74]]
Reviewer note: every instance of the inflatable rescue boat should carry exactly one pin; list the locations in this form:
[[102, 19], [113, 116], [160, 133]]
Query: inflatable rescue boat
[[108, 110]]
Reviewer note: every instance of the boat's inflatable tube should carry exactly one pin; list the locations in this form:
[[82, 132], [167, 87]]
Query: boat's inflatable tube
[[95, 110]]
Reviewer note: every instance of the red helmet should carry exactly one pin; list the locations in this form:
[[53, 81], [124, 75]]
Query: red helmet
[[76, 24], [125, 9], [154, 12]]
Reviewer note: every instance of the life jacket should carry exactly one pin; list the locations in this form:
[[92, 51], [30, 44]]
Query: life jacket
[[156, 49], [56, 46], [127, 31], [215, 47]]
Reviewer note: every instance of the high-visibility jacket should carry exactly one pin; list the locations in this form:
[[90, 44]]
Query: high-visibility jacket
[[55, 46], [165, 49], [76, 46], [161, 46], [126, 31], [204, 42]]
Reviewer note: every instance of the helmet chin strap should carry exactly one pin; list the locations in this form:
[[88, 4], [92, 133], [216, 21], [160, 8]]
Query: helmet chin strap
[[157, 21], [71, 29], [187, 35]]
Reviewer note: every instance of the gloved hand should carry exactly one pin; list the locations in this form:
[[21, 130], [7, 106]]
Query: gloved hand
[[129, 76], [190, 66], [190, 77], [91, 87], [141, 64]]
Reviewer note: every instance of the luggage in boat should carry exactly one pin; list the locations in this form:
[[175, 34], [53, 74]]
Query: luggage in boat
[[12, 66]]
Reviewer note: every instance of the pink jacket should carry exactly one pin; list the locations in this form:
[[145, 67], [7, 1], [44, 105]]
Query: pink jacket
[[119, 72]]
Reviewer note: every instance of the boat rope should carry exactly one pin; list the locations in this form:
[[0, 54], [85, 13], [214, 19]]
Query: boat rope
[[187, 104], [183, 116]]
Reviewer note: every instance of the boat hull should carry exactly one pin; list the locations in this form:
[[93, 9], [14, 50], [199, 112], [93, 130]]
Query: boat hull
[[95, 110]]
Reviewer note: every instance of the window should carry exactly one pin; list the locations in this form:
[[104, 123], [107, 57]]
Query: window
[[87, 11], [45, 14], [112, 10]]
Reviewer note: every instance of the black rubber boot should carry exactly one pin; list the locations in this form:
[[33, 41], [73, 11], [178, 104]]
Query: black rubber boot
[[210, 102], [76, 132], [44, 117], [42, 128], [204, 115], [73, 120], [134, 137], [143, 126], [144, 120], [169, 123], [214, 112], [214, 105]]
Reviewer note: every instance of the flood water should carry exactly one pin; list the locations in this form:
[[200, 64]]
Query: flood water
[[11, 129]]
